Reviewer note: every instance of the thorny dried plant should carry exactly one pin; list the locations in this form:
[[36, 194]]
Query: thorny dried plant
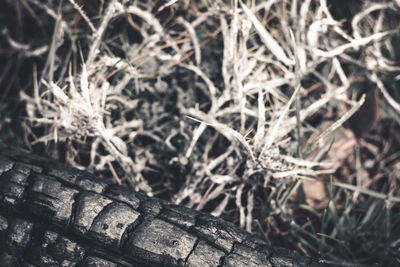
[[276, 54]]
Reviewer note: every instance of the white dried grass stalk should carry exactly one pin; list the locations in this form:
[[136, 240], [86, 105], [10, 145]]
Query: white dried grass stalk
[[356, 43], [238, 201], [367, 191], [109, 13], [84, 16], [221, 207], [218, 160], [196, 135], [250, 206], [223, 179], [275, 129], [293, 173], [267, 38], [258, 137], [231, 134], [357, 32], [189, 27]]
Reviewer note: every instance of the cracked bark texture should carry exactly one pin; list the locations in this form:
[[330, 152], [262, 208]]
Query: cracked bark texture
[[55, 215]]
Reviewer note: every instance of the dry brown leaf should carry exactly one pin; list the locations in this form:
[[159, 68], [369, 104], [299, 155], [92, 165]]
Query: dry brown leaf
[[342, 148], [316, 195]]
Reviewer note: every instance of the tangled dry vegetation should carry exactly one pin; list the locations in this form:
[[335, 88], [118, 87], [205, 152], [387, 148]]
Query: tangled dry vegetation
[[235, 108]]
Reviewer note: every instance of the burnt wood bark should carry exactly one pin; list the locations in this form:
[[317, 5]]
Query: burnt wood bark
[[55, 215]]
